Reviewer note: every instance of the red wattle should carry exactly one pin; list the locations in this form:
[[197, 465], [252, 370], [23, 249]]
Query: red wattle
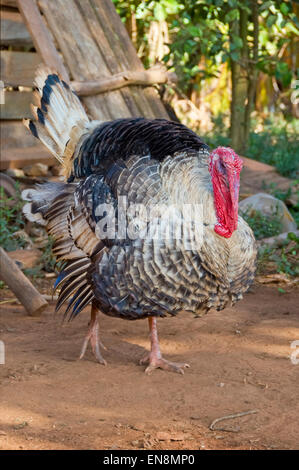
[[223, 231], [225, 167]]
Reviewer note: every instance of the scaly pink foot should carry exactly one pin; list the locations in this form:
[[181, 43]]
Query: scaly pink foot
[[160, 363], [93, 337], [154, 358]]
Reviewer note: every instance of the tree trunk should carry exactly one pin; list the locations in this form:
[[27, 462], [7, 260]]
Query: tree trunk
[[131, 26], [253, 72], [239, 85]]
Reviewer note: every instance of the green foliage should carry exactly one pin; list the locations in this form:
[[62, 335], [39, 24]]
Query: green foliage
[[285, 196], [11, 220], [275, 142], [219, 135], [284, 260], [278, 23], [200, 39], [283, 74], [278, 145], [48, 260], [35, 272], [263, 226]]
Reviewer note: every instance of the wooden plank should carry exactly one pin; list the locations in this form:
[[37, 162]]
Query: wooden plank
[[20, 157], [15, 134], [124, 42], [16, 105], [18, 68], [42, 39], [112, 48], [13, 30], [91, 46], [92, 38], [109, 16], [114, 32], [114, 62], [69, 26], [9, 3]]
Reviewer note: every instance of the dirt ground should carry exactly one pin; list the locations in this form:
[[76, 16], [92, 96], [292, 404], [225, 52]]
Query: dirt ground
[[240, 361]]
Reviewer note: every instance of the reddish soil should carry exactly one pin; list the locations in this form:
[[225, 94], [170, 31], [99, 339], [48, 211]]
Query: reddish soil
[[240, 361]]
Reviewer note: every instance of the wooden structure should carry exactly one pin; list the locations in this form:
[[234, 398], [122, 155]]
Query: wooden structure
[[86, 42], [29, 297]]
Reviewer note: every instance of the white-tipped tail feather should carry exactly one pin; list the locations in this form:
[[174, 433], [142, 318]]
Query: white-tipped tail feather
[[39, 200], [60, 117]]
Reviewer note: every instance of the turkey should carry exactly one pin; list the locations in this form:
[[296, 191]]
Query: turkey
[[146, 223]]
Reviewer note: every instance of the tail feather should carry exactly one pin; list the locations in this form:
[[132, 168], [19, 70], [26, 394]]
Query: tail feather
[[60, 119], [39, 200]]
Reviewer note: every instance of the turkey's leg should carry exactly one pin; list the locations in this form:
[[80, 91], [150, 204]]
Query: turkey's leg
[[154, 358], [93, 337]]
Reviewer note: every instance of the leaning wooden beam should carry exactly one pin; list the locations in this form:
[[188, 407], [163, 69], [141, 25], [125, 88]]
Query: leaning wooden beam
[[122, 79], [27, 294], [41, 37]]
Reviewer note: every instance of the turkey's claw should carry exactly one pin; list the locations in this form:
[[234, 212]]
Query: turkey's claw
[[154, 357], [160, 363], [93, 337]]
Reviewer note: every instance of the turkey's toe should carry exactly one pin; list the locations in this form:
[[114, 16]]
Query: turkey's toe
[[95, 344], [145, 359], [97, 353], [177, 367]]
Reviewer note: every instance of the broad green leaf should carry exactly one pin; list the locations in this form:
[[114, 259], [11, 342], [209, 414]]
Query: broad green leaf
[[194, 31], [172, 6], [265, 5], [231, 16], [159, 12], [237, 42], [270, 20], [284, 8], [292, 236], [283, 73], [194, 71]]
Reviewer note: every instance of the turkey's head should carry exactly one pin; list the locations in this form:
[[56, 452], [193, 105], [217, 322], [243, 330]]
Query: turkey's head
[[225, 167]]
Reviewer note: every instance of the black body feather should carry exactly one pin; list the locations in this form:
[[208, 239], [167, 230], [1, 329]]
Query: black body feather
[[122, 138]]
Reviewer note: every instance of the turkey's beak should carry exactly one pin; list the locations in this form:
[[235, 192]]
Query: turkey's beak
[[234, 185]]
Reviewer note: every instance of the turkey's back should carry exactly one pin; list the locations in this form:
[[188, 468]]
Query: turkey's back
[[122, 138]]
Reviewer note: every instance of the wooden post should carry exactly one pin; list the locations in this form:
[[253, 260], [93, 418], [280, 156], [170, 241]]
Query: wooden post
[[27, 294]]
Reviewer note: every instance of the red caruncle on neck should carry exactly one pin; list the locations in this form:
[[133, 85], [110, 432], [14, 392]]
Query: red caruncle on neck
[[225, 166]]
